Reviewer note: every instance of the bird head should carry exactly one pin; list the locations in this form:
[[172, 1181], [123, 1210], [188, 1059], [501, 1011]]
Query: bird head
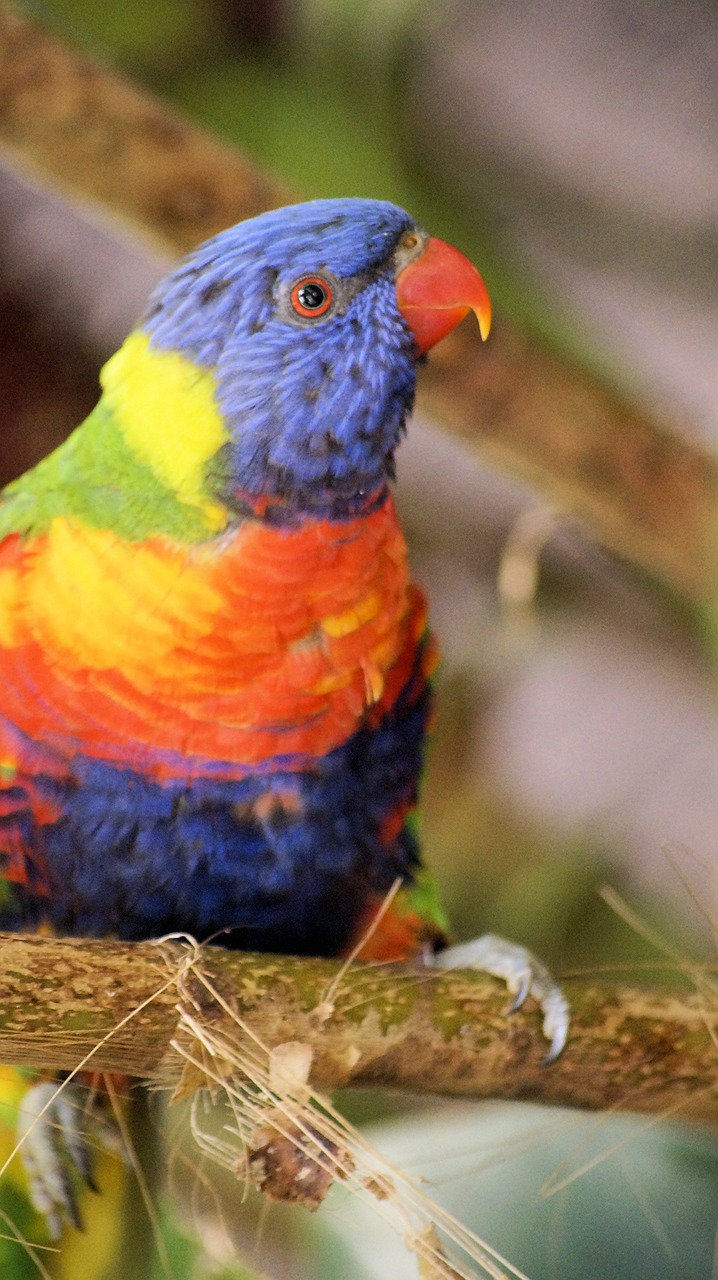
[[310, 320]]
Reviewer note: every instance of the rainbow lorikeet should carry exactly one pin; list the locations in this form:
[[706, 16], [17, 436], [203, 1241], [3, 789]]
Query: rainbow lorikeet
[[215, 666]]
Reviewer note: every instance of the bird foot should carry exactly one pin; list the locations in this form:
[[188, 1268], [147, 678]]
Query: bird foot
[[52, 1129], [523, 974]]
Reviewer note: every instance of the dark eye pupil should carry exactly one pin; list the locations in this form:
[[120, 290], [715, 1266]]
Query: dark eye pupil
[[312, 296]]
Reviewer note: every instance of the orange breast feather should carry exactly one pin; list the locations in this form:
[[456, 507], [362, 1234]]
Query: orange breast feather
[[269, 643]]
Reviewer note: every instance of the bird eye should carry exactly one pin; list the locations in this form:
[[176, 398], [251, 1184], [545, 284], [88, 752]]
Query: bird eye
[[311, 297]]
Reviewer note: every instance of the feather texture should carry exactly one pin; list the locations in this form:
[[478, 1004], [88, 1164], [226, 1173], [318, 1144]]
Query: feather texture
[[215, 666]]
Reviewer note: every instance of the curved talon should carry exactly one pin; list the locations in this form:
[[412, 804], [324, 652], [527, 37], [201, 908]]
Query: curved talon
[[521, 994], [523, 974], [66, 1110], [52, 1144], [556, 1020]]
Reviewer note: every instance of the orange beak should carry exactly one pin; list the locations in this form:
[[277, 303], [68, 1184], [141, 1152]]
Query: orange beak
[[437, 290]]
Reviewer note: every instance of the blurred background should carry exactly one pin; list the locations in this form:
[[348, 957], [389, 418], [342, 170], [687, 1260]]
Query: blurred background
[[571, 149]]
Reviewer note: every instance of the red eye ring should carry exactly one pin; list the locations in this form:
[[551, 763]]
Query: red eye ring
[[311, 297]]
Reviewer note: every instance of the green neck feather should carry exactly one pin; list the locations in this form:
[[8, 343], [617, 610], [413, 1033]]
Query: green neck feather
[[137, 465]]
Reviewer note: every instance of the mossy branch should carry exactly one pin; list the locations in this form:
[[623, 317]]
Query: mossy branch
[[644, 489], [119, 1006]]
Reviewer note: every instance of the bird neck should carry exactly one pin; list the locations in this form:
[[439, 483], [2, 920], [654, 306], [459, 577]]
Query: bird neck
[[163, 406], [157, 457], [170, 417]]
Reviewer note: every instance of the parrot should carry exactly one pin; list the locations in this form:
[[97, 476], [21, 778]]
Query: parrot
[[216, 669]]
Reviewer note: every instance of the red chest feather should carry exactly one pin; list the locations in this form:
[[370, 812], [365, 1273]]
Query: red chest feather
[[171, 658]]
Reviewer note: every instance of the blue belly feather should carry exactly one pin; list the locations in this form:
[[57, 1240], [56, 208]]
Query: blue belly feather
[[136, 858]]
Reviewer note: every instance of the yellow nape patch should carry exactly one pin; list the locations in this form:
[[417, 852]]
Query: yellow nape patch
[[165, 407]]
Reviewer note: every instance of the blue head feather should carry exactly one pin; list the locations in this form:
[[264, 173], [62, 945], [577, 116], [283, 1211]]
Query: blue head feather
[[315, 409]]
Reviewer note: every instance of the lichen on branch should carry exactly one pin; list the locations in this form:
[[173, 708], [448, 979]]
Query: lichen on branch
[[130, 1007]]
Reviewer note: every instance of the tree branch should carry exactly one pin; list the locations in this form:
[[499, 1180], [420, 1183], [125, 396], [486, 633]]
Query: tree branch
[[124, 1004], [647, 491]]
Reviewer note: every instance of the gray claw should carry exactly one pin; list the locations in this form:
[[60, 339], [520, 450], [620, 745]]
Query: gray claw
[[524, 988], [523, 975], [556, 1020], [52, 1145]]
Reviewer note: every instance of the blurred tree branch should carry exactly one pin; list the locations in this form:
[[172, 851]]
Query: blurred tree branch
[[645, 490], [119, 1006]]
